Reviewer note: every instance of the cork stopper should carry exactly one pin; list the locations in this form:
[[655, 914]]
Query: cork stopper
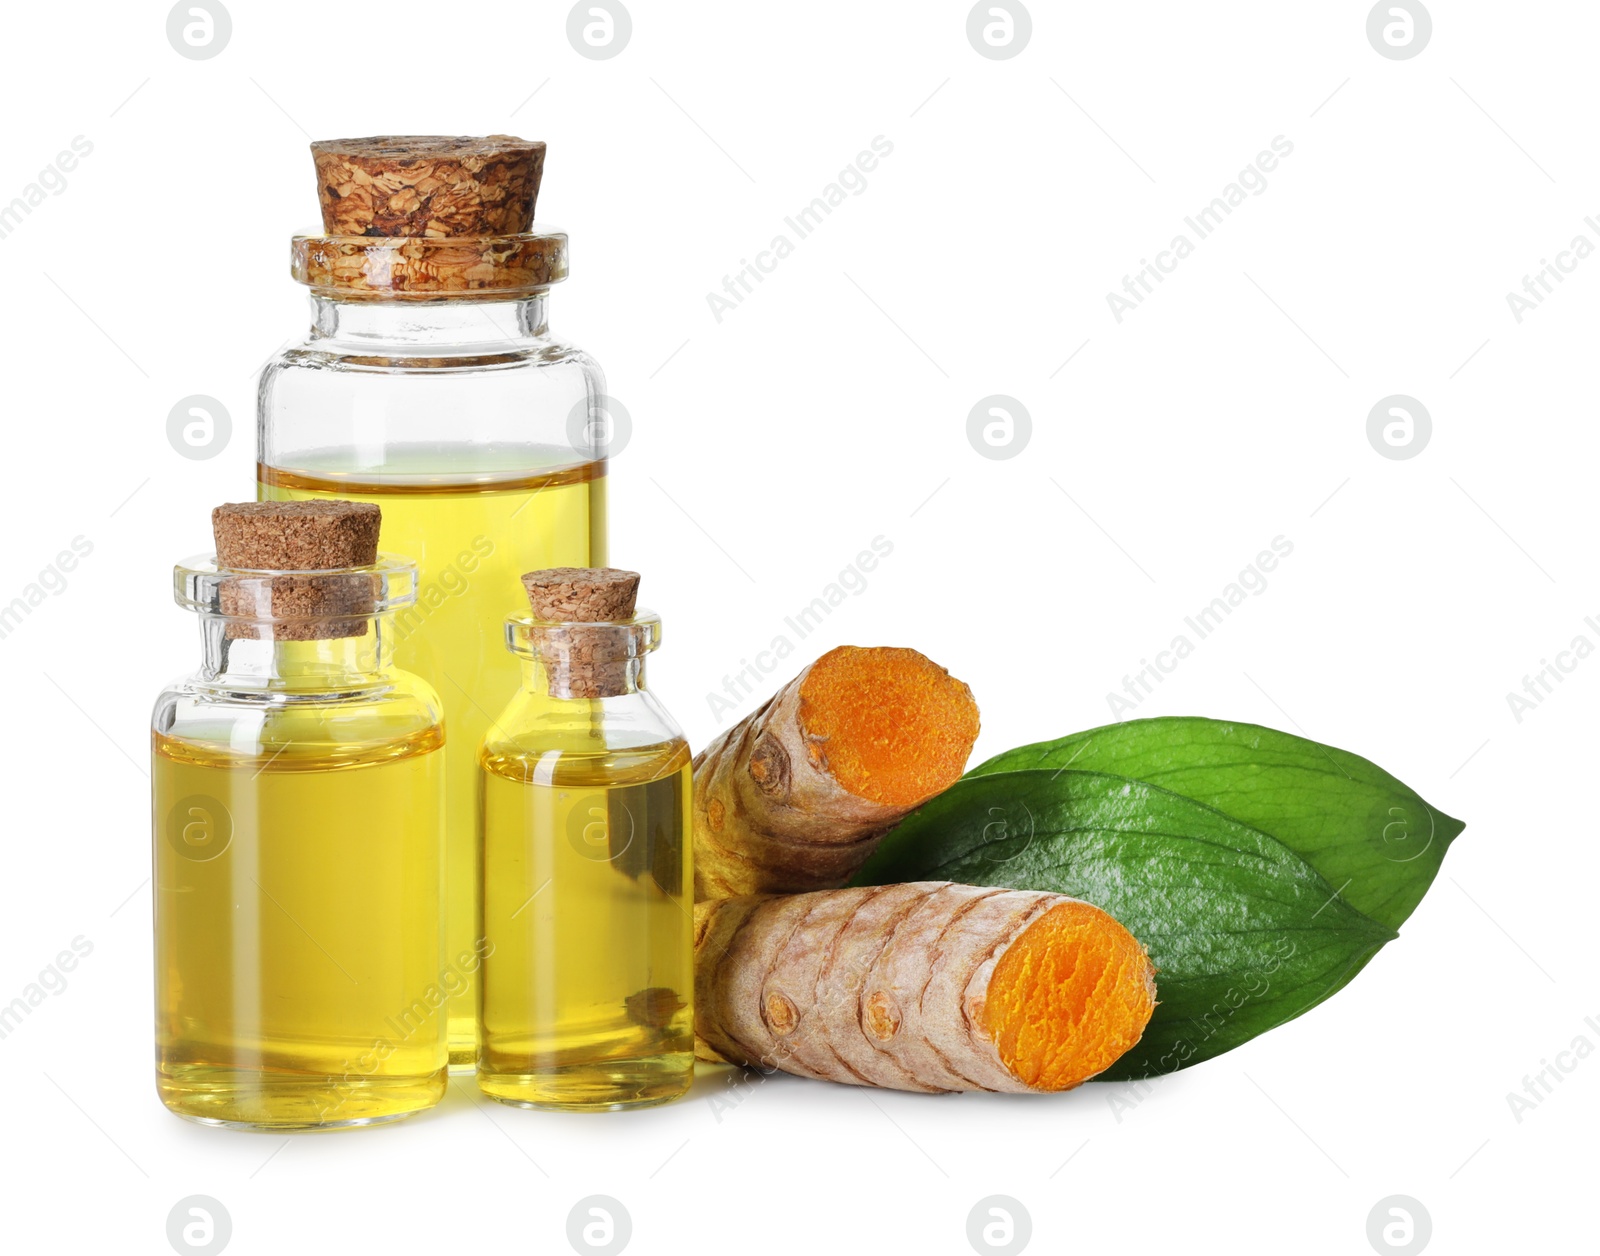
[[296, 536], [294, 540], [586, 652], [428, 185], [582, 595]]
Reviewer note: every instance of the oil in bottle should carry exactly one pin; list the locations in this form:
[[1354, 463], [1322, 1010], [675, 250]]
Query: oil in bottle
[[588, 980], [298, 836], [297, 927]]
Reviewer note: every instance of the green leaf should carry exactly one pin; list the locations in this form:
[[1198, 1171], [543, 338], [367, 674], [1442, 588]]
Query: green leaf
[[1369, 834], [1244, 933]]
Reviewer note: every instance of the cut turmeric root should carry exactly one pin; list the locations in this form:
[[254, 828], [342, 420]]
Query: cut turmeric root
[[927, 986], [796, 796]]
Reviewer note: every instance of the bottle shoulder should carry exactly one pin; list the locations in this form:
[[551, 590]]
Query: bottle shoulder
[[402, 714], [631, 731], [322, 353], [584, 762]]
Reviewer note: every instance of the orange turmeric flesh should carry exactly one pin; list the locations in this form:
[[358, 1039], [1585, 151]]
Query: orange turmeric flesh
[[1068, 997], [796, 796], [892, 725]]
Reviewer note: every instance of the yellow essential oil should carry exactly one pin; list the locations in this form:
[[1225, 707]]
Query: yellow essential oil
[[586, 991], [473, 518], [297, 936]]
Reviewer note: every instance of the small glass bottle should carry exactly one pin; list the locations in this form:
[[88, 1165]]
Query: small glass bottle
[[298, 851], [588, 974], [429, 382]]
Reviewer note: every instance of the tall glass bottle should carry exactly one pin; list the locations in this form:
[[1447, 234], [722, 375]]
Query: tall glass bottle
[[429, 382], [588, 976], [298, 849]]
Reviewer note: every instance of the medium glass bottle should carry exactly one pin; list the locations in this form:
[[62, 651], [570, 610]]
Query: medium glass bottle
[[429, 382], [298, 849], [588, 975]]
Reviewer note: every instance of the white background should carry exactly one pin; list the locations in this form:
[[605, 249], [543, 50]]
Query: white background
[[830, 408]]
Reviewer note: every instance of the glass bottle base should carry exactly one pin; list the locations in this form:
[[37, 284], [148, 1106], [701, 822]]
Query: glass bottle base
[[604, 1086], [286, 1102], [274, 1127]]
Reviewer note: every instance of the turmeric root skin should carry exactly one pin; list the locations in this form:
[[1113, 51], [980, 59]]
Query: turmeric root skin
[[927, 986], [796, 796]]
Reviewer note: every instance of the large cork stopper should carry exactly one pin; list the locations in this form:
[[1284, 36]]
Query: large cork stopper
[[586, 652], [428, 185], [288, 542]]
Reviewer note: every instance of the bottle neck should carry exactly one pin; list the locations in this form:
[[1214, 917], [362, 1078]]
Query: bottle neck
[[435, 324], [301, 668], [556, 683]]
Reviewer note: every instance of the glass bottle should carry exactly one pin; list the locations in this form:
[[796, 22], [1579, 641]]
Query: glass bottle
[[429, 383], [588, 974], [298, 851]]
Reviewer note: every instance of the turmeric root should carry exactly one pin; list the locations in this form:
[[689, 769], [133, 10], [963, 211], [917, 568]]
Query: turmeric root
[[926, 986], [796, 795]]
